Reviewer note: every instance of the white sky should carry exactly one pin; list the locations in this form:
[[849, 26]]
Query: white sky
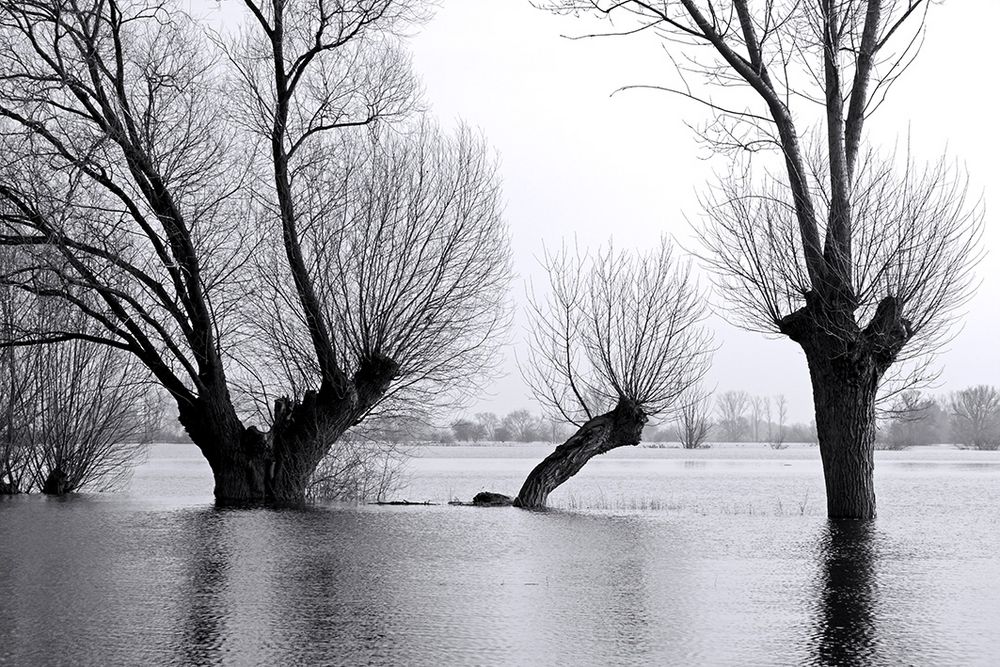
[[576, 161]]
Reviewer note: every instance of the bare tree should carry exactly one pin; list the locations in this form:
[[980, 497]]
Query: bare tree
[[757, 407], [975, 417], [910, 421], [130, 180], [860, 262], [489, 422], [732, 422], [71, 421], [776, 428], [693, 422], [616, 340]]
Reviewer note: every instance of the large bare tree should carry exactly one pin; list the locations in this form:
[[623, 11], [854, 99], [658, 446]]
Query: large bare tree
[[859, 259], [149, 165], [617, 339]]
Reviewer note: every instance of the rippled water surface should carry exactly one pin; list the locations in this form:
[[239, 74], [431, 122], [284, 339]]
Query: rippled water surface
[[657, 557]]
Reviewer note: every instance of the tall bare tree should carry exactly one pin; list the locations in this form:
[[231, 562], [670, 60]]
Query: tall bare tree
[[136, 174], [616, 340], [858, 260]]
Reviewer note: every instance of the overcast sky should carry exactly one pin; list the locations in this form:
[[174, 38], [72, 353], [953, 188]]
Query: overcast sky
[[577, 161]]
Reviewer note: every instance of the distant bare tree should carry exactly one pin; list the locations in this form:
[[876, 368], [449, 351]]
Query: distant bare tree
[[915, 419], [616, 340], [776, 428], [732, 422], [693, 422], [757, 406], [489, 423], [861, 262], [975, 417]]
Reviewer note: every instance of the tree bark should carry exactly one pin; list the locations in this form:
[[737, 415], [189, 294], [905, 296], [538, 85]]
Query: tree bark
[[252, 467], [844, 396], [846, 364], [618, 428]]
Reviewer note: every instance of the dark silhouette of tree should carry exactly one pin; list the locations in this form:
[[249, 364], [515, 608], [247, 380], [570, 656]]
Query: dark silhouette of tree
[[152, 169], [860, 260], [616, 340]]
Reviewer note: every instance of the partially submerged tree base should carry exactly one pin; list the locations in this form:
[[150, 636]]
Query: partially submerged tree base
[[618, 428], [57, 483]]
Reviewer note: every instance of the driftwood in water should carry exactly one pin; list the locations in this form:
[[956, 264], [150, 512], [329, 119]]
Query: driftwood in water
[[402, 502]]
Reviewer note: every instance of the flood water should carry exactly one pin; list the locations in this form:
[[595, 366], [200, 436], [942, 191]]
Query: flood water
[[658, 557]]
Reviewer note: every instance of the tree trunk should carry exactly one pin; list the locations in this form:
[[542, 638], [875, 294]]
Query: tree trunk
[[56, 483], [846, 364], [844, 396], [252, 467], [620, 427]]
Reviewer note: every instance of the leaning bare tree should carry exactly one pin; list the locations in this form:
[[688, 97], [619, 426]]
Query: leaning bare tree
[[138, 154], [617, 340], [859, 261]]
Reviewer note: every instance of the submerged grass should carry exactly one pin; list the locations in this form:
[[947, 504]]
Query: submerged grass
[[600, 501]]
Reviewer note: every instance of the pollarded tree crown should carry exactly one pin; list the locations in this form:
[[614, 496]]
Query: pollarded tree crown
[[616, 329]]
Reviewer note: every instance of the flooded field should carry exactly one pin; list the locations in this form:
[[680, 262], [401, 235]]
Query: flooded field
[[656, 557]]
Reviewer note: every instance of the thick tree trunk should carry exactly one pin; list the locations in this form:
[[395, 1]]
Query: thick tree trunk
[[251, 467], [846, 364], [56, 483], [618, 428], [844, 395]]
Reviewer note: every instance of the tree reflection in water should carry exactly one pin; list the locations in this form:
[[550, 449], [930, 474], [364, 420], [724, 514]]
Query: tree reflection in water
[[846, 625], [207, 580]]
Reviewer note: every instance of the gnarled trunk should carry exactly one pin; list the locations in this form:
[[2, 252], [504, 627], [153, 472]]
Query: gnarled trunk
[[618, 428], [252, 467]]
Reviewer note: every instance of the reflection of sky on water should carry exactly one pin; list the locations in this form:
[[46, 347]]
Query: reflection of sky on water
[[165, 578]]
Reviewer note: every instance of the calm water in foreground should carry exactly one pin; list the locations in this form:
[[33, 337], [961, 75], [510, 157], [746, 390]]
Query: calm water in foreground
[[658, 557]]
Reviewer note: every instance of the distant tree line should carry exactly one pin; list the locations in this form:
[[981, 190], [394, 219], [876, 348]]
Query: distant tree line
[[968, 418]]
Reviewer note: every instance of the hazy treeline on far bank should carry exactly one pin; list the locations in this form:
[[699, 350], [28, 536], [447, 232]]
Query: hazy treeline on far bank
[[969, 418]]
